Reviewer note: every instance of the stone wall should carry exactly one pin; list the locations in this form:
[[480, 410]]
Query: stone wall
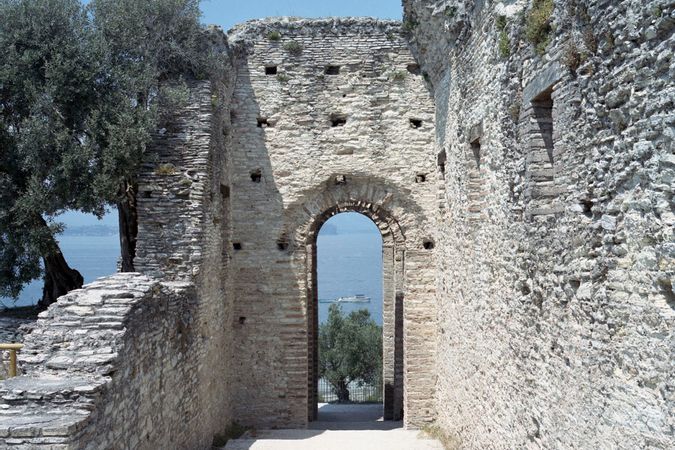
[[183, 215], [113, 365], [129, 362], [555, 257], [525, 199], [327, 116]]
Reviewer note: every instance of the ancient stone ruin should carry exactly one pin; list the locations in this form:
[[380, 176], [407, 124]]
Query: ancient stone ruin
[[524, 191]]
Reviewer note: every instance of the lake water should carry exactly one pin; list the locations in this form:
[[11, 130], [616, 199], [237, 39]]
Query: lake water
[[349, 263], [93, 256]]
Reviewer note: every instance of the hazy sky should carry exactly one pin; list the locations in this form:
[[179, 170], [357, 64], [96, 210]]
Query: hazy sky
[[228, 13]]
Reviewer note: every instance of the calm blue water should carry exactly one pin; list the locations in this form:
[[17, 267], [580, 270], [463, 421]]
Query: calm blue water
[[93, 256], [350, 264]]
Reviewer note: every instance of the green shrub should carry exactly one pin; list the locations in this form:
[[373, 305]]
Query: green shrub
[[274, 36], [500, 23], [283, 78], [350, 350], [538, 27], [294, 48], [504, 44]]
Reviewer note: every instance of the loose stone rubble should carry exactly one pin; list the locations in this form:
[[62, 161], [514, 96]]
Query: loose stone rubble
[[526, 205]]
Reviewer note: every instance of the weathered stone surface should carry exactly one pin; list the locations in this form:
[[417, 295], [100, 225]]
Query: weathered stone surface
[[526, 208], [110, 386], [554, 331], [309, 165]]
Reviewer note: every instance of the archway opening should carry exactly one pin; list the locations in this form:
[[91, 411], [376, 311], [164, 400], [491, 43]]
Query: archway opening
[[349, 319]]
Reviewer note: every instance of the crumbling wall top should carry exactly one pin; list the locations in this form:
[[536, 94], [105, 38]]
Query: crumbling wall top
[[255, 29]]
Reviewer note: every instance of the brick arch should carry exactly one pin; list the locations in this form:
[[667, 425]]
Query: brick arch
[[376, 199], [389, 228]]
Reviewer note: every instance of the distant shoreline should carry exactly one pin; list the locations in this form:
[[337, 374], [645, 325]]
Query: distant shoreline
[[91, 231]]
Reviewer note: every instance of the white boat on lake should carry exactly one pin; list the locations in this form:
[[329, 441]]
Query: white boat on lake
[[358, 298]]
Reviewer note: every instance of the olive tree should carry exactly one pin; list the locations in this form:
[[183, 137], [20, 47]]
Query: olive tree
[[81, 89], [350, 350]]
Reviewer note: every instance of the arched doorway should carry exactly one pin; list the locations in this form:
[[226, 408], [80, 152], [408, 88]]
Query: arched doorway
[[349, 280], [391, 317]]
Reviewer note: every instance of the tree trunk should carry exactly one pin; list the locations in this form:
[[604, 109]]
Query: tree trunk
[[128, 220], [59, 278], [342, 392]]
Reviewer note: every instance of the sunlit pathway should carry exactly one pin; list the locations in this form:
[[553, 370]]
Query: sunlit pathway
[[340, 427]]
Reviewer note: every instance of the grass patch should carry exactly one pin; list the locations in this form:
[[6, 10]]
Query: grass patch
[[294, 48], [233, 431], [538, 25], [449, 442]]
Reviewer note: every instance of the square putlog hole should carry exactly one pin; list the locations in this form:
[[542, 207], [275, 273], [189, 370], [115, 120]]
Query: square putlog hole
[[256, 176], [270, 70], [236, 245], [332, 70], [338, 120], [415, 123]]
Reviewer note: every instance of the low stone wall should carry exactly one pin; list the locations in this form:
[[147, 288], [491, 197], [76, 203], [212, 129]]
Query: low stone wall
[[110, 366]]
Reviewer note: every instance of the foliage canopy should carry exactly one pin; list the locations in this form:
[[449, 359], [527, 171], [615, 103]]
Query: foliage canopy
[[350, 350], [81, 90]]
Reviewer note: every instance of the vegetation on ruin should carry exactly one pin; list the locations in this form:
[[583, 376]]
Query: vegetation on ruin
[[81, 88], [398, 75], [538, 25], [350, 350], [274, 36], [504, 42], [294, 48], [409, 25], [572, 57]]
